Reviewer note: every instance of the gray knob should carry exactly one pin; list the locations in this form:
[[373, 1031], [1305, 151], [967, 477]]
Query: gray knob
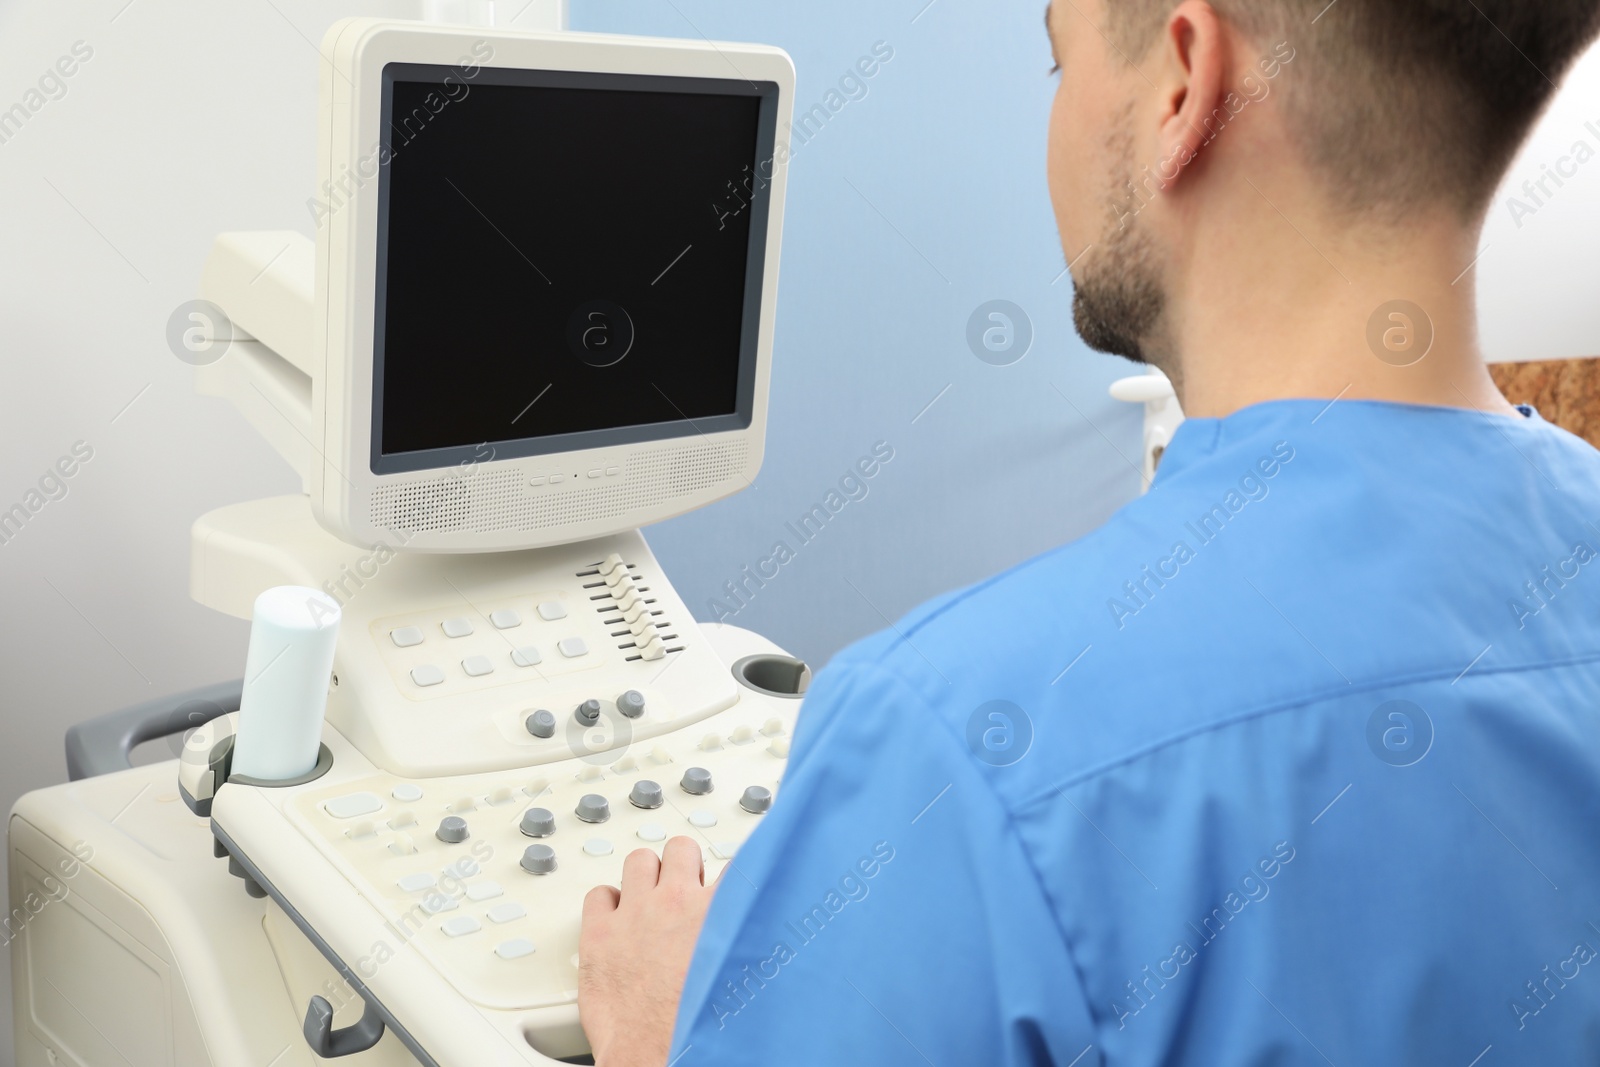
[[539, 859], [756, 799], [538, 822], [646, 794], [452, 830], [542, 724], [631, 703], [697, 781], [589, 712], [592, 807]]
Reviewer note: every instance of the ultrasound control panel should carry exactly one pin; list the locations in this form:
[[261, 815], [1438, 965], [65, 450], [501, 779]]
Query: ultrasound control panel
[[467, 890]]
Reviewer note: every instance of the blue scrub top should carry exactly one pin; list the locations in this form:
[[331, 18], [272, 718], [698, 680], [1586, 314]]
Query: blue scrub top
[[1295, 761]]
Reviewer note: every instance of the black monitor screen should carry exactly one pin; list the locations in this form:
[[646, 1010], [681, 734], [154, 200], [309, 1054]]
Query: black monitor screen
[[565, 261]]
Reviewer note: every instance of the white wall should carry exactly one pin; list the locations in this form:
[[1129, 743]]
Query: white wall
[[1539, 275]]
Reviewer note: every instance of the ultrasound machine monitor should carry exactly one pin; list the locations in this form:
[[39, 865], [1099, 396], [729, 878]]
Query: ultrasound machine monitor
[[546, 283]]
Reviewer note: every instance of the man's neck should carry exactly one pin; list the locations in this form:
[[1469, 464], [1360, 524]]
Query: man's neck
[[1296, 310]]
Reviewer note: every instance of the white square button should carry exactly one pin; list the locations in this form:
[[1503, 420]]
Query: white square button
[[514, 949], [551, 610], [427, 674], [481, 891], [505, 619], [456, 627], [406, 636], [504, 913], [461, 925], [572, 647], [526, 656], [477, 666]]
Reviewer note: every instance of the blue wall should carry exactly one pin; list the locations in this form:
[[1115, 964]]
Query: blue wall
[[912, 206]]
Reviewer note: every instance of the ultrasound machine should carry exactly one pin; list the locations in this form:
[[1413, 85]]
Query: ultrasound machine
[[537, 314]]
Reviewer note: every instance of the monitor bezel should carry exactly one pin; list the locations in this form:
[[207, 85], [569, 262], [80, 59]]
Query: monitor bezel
[[765, 93]]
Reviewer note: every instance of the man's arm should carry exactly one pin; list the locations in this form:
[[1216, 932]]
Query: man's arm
[[883, 912]]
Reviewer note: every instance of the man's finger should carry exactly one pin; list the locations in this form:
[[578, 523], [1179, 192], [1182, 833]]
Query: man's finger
[[600, 901], [681, 861], [640, 871]]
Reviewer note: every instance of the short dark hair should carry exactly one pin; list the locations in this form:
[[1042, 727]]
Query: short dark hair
[[1403, 103]]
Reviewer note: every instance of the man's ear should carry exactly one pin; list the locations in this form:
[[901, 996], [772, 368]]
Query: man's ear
[[1196, 52]]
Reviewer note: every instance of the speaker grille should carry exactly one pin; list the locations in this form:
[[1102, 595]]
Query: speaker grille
[[496, 501]]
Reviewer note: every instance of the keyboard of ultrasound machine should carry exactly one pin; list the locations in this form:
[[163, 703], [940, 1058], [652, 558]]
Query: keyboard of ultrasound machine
[[485, 874]]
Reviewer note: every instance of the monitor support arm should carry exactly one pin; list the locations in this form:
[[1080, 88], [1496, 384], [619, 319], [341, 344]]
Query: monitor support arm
[[264, 285]]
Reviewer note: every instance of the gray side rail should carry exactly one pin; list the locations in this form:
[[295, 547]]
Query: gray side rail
[[102, 745]]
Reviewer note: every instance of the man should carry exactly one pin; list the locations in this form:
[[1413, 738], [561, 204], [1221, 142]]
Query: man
[[1297, 760]]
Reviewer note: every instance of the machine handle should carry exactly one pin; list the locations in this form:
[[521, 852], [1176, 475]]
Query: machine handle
[[329, 1043], [102, 745]]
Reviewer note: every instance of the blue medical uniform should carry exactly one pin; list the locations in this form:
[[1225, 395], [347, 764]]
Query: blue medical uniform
[[1295, 761]]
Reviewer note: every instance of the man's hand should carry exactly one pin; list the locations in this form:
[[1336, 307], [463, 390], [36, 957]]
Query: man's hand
[[634, 952]]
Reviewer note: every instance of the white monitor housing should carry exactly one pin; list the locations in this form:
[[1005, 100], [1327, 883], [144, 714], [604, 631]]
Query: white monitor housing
[[539, 306]]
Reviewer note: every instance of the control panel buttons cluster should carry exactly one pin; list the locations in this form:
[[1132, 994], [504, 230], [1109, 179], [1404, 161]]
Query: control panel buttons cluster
[[487, 662], [542, 723]]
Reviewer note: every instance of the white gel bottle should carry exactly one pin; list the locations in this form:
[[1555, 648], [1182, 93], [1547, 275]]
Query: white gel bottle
[[286, 672]]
